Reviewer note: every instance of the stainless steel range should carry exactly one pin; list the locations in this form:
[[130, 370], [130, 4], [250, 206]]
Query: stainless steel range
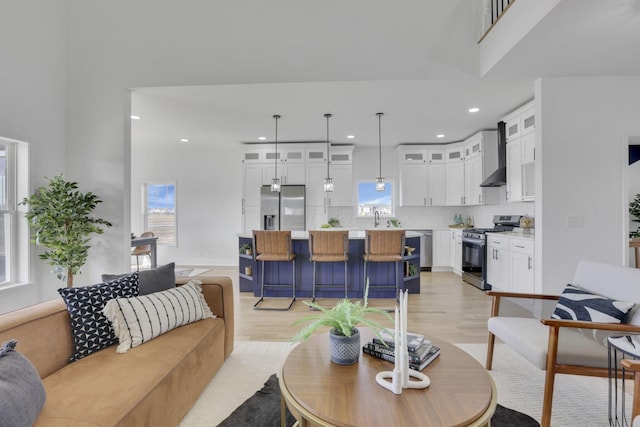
[[474, 249]]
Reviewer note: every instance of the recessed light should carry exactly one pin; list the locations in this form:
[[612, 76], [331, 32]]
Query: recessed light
[[440, 135], [474, 110], [350, 136], [184, 140], [135, 117], [262, 138]]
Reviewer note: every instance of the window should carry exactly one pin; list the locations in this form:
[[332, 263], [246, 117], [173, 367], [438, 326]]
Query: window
[[160, 211], [14, 230], [370, 200]]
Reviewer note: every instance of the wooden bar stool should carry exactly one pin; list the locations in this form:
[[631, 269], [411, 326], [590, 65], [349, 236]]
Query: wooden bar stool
[[274, 246], [328, 246], [384, 246]]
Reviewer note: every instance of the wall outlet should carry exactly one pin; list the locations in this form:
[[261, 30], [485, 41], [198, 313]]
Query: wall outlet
[[575, 221]]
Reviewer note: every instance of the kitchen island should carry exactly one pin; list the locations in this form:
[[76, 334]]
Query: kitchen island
[[331, 273]]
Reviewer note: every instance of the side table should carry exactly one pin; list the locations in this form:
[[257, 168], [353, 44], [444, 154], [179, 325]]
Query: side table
[[620, 347]]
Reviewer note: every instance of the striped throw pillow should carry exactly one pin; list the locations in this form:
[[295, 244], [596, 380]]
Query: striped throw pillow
[[139, 319]]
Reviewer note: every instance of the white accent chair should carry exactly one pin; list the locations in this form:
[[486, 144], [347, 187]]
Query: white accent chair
[[558, 346]]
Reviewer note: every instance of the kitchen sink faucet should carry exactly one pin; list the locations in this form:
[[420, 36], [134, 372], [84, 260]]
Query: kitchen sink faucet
[[376, 218]]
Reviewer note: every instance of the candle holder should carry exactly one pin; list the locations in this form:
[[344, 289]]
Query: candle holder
[[401, 375]]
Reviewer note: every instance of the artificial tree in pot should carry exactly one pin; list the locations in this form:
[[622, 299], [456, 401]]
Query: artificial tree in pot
[[343, 319], [61, 222]]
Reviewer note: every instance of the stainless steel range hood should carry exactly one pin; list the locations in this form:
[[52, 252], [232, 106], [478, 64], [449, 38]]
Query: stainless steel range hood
[[499, 177]]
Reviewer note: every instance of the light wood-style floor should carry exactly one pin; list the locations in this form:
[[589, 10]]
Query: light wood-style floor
[[446, 307]]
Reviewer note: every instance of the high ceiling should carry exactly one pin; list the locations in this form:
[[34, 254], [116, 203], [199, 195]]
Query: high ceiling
[[419, 66]]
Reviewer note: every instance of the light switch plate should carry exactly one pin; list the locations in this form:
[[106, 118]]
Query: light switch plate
[[575, 221]]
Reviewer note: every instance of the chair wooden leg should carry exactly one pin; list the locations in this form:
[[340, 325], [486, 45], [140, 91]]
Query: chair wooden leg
[[495, 310], [490, 344], [552, 354], [635, 411]]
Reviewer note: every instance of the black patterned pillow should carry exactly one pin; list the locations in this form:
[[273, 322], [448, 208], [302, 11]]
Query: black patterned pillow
[[578, 304], [91, 329]]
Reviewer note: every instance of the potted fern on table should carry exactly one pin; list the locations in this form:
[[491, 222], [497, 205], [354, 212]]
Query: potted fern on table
[[342, 319]]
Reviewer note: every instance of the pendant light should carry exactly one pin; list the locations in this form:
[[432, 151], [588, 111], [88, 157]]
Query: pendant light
[[380, 178], [275, 182], [328, 181]]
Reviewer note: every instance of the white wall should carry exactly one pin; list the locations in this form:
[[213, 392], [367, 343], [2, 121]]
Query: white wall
[[582, 125], [208, 196], [33, 108]]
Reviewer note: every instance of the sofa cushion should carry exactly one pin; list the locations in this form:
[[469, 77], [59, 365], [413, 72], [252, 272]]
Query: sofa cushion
[[150, 281], [579, 304], [152, 385], [139, 319], [91, 329], [22, 394]]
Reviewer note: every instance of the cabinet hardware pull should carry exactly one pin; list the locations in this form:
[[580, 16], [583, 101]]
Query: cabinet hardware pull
[[518, 246], [430, 200], [528, 263], [425, 201]]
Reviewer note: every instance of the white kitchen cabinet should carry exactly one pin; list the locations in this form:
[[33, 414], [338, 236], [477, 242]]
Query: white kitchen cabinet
[[251, 183], [293, 173], [498, 262], [441, 249], [473, 176], [316, 155], [528, 144], [514, 170], [455, 183], [253, 156], [436, 156], [342, 155], [414, 184], [457, 251], [521, 265], [510, 262], [342, 194], [294, 155], [422, 177], [437, 184], [315, 194], [251, 219], [521, 141]]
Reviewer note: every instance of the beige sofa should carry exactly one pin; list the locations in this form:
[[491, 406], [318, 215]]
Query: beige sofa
[[154, 384]]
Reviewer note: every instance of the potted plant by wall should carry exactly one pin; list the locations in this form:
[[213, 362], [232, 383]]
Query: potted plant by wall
[[343, 319], [634, 210], [245, 249], [61, 222]]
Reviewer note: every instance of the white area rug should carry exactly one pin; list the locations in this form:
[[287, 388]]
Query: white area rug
[[578, 401], [244, 372]]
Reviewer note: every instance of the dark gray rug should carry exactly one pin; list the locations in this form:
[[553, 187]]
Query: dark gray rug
[[263, 409]]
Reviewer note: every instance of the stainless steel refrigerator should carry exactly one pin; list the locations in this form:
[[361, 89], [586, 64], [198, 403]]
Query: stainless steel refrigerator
[[285, 210]]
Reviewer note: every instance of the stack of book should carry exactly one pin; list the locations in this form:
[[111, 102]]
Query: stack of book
[[420, 350]]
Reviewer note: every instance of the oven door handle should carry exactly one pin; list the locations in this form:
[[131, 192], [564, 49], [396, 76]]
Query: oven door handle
[[471, 240]]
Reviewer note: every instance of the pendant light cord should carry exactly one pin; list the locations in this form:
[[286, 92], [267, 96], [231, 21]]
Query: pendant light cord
[[379, 145], [327, 116], [276, 116]]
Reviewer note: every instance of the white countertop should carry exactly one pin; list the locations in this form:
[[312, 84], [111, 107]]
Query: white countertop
[[515, 234], [353, 234]]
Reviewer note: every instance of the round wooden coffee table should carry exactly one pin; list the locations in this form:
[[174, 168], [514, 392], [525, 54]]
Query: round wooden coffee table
[[320, 392]]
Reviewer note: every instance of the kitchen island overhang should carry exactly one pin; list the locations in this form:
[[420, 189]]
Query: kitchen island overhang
[[332, 274]]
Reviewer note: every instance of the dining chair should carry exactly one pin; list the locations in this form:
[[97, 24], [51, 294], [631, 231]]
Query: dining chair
[[142, 250]]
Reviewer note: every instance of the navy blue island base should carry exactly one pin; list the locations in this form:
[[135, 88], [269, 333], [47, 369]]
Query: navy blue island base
[[331, 273]]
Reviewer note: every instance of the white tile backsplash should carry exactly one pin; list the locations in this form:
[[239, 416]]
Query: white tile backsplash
[[434, 217]]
